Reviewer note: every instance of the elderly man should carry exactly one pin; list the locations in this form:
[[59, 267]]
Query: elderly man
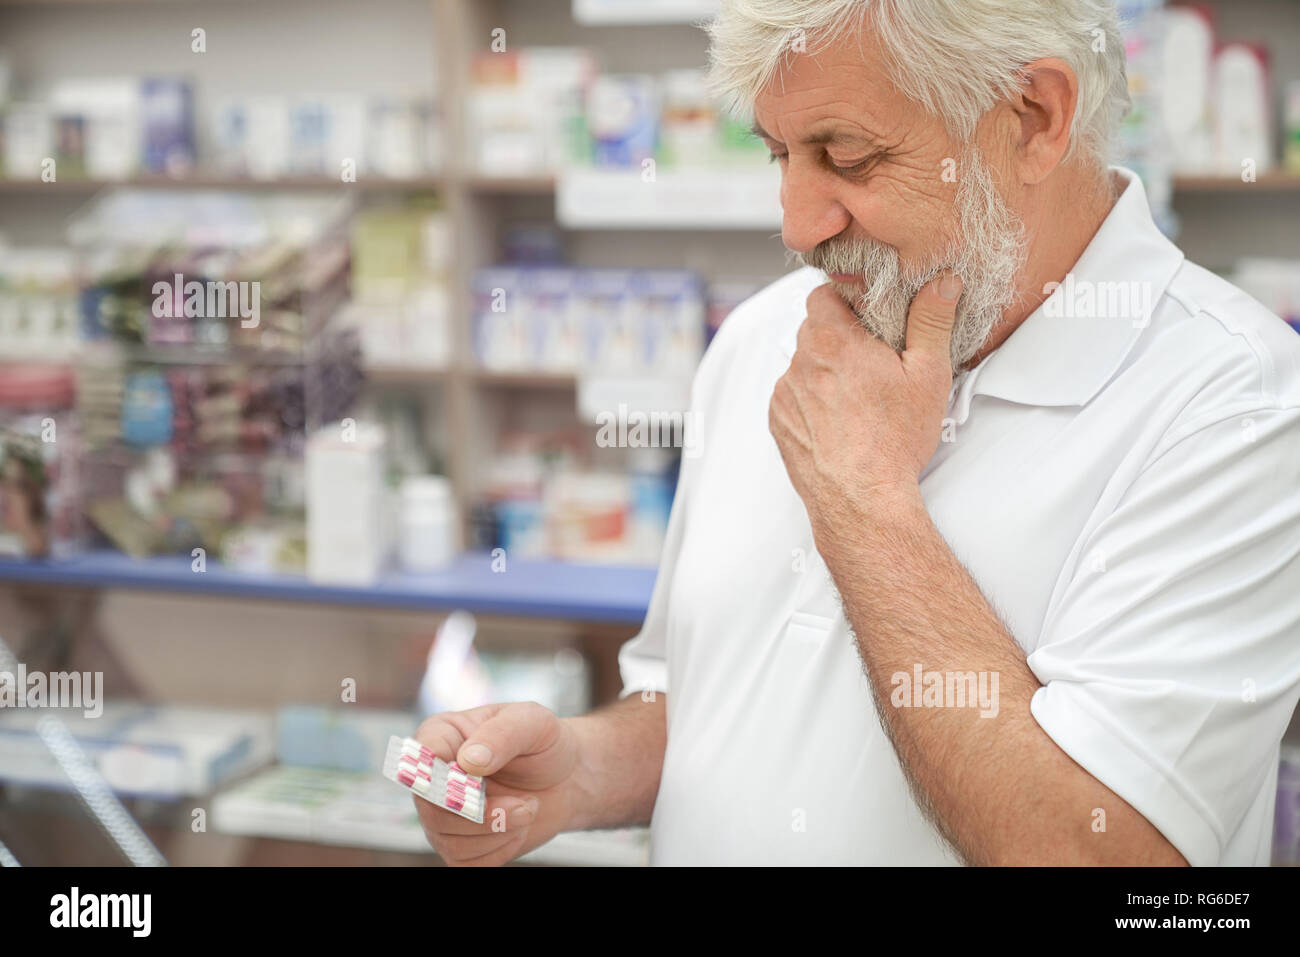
[[992, 553]]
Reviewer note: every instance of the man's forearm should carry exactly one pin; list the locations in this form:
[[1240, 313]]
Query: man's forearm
[[620, 758], [999, 787]]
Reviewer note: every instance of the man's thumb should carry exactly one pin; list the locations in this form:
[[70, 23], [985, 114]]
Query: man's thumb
[[517, 729], [933, 312]]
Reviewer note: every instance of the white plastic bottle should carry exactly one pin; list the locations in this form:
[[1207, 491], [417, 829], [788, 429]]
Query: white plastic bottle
[[429, 535]]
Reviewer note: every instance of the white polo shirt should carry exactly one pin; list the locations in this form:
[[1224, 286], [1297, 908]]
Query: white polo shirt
[[1124, 490]]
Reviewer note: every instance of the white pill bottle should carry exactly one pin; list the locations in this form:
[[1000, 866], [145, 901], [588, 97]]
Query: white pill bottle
[[429, 532]]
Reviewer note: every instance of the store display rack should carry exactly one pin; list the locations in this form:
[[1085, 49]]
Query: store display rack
[[557, 590]]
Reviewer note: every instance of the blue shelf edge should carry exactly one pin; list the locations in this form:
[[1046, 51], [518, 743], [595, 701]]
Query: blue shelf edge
[[528, 588]]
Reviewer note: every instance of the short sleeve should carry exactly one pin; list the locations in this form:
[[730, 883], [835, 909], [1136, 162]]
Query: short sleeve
[[1170, 658]]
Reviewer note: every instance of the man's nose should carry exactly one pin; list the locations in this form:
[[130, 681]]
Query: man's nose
[[811, 212]]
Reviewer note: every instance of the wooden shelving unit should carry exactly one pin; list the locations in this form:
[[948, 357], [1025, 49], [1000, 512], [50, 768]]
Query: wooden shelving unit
[[1276, 182], [479, 185], [506, 185], [389, 374], [523, 380], [478, 204], [205, 181], [469, 182]]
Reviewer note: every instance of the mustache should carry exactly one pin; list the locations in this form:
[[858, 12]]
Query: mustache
[[846, 255], [871, 259], [877, 264]]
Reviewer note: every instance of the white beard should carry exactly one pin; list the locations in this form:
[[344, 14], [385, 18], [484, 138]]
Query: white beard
[[987, 255]]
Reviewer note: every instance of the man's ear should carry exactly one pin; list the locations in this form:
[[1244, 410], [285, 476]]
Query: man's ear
[[1039, 116]]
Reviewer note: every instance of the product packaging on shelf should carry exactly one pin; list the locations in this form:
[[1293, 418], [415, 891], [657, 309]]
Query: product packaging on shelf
[[165, 751], [501, 337], [623, 119], [39, 307], [28, 139], [167, 116], [525, 110], [611, 321], [344, 738], [689, 125], [555, 337], [1243, 127], [429, 526], [1291, 128], [1187, 87], [400, 298], [347, 541], [325, 805]]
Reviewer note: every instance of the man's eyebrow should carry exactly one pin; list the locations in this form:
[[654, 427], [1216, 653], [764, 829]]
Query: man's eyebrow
[[823, 137]]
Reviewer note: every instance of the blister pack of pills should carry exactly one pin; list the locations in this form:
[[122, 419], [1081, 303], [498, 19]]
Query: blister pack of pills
[[426, 775]]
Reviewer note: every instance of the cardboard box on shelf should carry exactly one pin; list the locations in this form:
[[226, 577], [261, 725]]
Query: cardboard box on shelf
[[347, 527], [165, 751]]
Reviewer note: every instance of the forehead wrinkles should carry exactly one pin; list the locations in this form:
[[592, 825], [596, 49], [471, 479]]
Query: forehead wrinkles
[[875, 114], [821, 123]]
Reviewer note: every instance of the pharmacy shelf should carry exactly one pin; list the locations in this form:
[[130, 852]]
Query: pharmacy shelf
[[113, 354], [642, 12], [524, 380], [745, 198], [739, 199], [548, 589], [488, 185], [1268, 182], [594, 188], [392, 374], [593, 199], [477, 183], [370, 184], [382, 373], [483, 183]]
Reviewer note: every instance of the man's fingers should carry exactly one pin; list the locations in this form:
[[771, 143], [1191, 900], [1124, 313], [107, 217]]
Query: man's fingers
[[825, 297], [518, 729], [446, 732], [440, 736], [509, 813], [483, 741], [931, 317], [829, 307], [491, 850]]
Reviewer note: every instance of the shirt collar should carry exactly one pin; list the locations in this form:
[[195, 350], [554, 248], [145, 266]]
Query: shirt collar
[[1075, 341]]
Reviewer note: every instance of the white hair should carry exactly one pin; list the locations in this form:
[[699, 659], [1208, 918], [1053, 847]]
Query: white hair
[[956, 58]]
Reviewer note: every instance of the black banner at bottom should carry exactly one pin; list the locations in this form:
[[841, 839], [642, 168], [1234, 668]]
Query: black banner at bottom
[[382, 906]]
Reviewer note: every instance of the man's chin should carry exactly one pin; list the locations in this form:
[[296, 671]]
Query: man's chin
[[894, 336], [850, 292]]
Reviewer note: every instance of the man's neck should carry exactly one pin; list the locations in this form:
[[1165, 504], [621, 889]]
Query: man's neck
[[1060, 218]]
